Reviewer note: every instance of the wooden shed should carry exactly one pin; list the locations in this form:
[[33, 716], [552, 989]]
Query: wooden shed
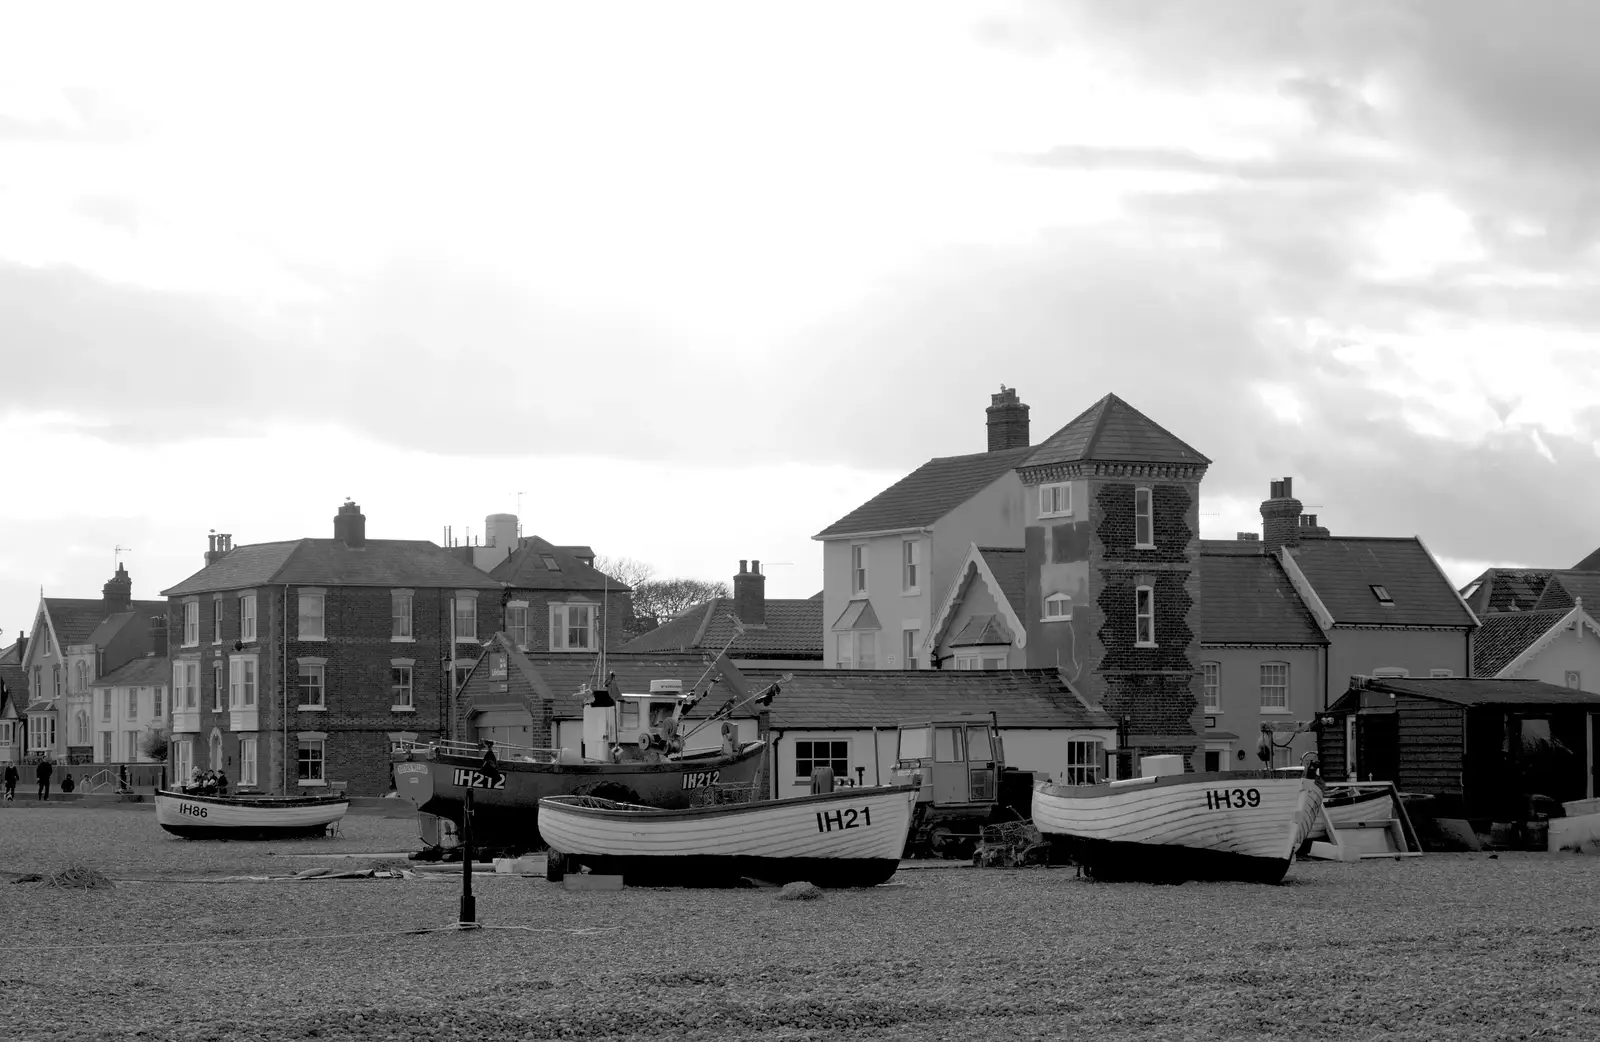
[[1480, 747]]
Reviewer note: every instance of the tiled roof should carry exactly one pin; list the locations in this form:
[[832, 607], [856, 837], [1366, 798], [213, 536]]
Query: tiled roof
[[1010, 570], [1247, 599], [148, 671], [793, 630], [329, 562], [1233, 547], [982, 631], [1564, 587], [1506, 589], [927, 493], [1476, 691], [77, 620], [1113, 431], [16, 685], [1343, 569], [1588, 564], [1505, 635], [526, 569]]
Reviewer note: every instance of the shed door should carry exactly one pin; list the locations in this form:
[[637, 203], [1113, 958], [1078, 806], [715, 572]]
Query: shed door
[[505, 727], [1378, 749]]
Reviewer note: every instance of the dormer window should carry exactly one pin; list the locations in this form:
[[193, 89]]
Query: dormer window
[[550, 563], [1383, 596], [1055, 500], [1057, 606]]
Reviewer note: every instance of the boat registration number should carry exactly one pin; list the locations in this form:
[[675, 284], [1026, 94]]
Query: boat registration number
[[849, 818], [478, 780], [193, 810], [1235, 799], [700, 779]]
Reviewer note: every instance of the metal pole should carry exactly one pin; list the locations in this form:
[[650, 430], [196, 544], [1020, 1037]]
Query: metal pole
[[469, 905]]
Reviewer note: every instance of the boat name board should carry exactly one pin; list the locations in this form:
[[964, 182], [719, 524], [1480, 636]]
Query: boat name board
[[848, 818], [1216, 799], [469, 779], [700, 779], [194, 810]]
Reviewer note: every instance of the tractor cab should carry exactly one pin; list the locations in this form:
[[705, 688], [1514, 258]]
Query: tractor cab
[[960, 759]]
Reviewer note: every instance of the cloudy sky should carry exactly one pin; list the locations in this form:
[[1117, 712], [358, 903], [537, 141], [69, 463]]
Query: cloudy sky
[[688, 281]]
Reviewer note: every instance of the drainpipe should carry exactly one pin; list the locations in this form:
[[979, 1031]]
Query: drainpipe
[[777, 736], [283, 691], [877, 758]]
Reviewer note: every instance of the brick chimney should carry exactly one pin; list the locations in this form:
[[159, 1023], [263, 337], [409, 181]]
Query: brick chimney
[[1309, 529], [219, 545], [118, 591], [350, 526], [22, 645], [1280, 517], [1008, 421], [750, 594], [158, 636]]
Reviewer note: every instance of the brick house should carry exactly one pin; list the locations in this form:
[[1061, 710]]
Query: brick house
[[13, 693], [297, 664], [556, 600], [777, 632], [75, 641]]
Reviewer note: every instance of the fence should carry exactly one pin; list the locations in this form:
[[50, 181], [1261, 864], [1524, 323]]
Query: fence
[[108, 777]]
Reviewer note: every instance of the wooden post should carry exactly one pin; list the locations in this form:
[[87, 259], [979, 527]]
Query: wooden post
[[469, 906]]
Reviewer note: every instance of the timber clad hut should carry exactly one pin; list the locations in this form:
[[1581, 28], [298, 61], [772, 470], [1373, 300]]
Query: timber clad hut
[[1480, 747]]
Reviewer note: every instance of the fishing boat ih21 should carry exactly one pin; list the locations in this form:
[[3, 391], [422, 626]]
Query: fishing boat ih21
[[1170, 826], [634, 750], [247, 817], [851, 837]]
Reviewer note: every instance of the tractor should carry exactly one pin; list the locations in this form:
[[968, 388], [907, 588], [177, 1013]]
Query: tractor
[[965, 783]]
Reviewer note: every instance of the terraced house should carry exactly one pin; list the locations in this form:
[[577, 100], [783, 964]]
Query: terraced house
[[297, 664]]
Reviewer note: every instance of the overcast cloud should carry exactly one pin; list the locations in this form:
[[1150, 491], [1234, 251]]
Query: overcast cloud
[[1350, 242]]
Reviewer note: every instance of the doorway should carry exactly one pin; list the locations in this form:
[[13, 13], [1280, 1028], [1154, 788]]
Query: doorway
[[1378, 747]]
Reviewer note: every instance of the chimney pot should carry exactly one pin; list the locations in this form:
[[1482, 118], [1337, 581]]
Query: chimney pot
[[743, 566], [1280, 517], [118, 592], [750, 595]]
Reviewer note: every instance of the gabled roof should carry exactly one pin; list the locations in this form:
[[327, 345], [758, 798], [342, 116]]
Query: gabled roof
[[329, 562], [926, 494], [1010, 570], [1344, 569], [527, 569], [76, 620], [1566, 587], [793, 631], [1247, 599], [1505, 589], [1113, 431], [1473, 691], [149, 671], [1505, 635], [1009, 592], [982, 631]]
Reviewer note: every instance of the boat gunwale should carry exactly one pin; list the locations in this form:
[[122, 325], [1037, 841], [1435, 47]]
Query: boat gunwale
[[632, 811], [1103, 789], [688, 761], [259, 802]]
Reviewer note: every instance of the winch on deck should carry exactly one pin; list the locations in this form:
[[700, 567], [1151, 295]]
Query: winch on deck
[[619, 728]]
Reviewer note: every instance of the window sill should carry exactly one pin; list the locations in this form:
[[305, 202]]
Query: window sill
[[1055, 517], [311, 784], [402, 640], [1056, 618], [575, 651], [188, 644], [311, 709], [1145, 644], [402, 709], [1276, 711], [913, 592], [1144, 546], [1211, 712], [304, 639]]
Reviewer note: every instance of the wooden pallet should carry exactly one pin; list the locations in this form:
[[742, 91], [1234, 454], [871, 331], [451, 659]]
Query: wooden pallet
[[1392, 837]]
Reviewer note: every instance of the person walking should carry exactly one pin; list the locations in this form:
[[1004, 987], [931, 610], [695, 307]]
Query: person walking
[[12, 776], [43, 772]]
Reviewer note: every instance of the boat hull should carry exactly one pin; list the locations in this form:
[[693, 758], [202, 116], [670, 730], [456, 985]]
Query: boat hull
[[1240, 826], [224, 817], [848, 838], [507, 814]]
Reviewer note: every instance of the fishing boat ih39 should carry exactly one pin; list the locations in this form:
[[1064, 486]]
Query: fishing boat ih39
[[247, 817], [847, 838], [1171, 826]]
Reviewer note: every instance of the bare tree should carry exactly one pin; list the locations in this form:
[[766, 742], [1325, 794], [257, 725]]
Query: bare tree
[[625, 570], [661, 599]]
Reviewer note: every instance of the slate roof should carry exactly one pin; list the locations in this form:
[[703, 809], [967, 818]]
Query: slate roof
[[1247, 599], [1506, 589], [329, 562], [525, 569], [981, 631], [1113, 431], [793, 630], [1476, 691], [1505, 635], [79, 620], [149, 671], [1010, 569], [1588, 564], [1343, 569], [927, 493], [851, 698], [1233, 547], [1563, 587]]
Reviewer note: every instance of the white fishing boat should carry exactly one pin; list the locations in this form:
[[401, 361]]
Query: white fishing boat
[[846, 838], [1168, 825], [247, 817]]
